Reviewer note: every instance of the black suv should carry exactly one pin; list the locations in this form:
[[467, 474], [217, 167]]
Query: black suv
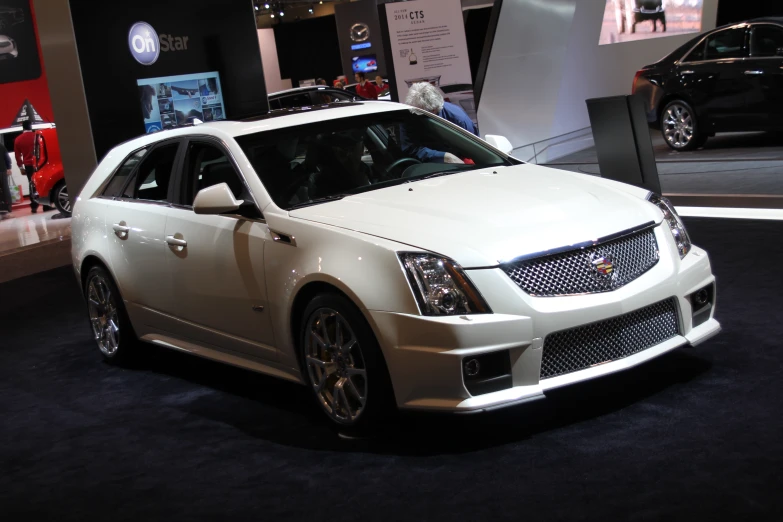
[[727, 80]]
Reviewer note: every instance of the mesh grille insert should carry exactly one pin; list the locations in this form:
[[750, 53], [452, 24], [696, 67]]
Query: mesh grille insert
[[585, 346], [598, 268]]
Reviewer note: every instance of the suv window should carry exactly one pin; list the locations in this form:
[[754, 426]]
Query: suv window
[[114, 187], [296, 100], [765, 40], [726, 44], [154, 174], [207, 165]]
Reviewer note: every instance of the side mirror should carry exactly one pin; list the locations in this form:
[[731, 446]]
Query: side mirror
[[216, 199], [499, 142]]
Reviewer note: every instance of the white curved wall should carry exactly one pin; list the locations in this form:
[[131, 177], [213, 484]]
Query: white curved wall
[[546, 62]]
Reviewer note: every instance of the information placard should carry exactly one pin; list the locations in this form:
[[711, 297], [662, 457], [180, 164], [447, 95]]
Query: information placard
[[428, 44]]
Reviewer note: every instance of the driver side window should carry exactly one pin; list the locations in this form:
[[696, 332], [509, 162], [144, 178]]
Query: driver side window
[[207, 165]]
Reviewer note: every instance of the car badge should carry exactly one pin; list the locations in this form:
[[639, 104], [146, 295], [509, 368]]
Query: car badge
[[603, 266]]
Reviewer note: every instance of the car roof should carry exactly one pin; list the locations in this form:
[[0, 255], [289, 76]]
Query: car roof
[[273, 120]]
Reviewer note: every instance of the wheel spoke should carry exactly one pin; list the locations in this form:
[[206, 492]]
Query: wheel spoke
[[355, 391]]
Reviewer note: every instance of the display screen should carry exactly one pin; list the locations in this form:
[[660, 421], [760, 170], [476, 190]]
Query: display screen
[[629, 20], [18, 47], [364, 64], [173, 101]]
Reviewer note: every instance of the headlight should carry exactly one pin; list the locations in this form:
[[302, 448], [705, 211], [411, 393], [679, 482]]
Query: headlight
[[676, 226], [440, 285]]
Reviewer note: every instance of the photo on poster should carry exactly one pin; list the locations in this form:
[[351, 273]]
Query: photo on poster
[[19, 60], [364, 64], [166, 105], [172, 101], [629, 20], [164, 90], [184, 90], [188, 109]]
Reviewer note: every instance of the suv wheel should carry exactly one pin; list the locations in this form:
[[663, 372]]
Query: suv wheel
[[60, 198], [342, 363], [679, 126]]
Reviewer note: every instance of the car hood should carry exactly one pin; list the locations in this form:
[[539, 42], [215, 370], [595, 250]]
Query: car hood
[[484, 217]]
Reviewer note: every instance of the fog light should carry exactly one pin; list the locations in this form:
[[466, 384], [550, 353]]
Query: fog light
[[701, 298], [472, 367]]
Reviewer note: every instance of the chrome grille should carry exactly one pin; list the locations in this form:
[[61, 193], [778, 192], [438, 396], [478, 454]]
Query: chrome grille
[[575, 271], [585, 346]]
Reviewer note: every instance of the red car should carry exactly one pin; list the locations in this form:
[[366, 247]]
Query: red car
[[49, 178]]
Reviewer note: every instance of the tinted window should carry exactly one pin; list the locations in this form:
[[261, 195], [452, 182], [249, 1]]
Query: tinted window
[[296, 100], [726, 44], [207, 165], [697, 54], [121, 176], [302, 165], [765, 40], [154, 174]]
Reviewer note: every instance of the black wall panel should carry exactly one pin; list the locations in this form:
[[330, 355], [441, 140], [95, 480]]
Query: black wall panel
[[222, 37]]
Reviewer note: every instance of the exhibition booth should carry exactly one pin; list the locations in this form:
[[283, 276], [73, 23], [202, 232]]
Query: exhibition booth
[[228, 290]]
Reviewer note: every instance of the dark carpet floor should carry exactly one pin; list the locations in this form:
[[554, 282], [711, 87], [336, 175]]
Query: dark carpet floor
[[695, 435]]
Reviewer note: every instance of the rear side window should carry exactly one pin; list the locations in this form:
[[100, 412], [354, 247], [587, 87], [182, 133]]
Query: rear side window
[[121, 175], [766, 40], [726, 44], [296, 100], [154, 174], [697, 54]]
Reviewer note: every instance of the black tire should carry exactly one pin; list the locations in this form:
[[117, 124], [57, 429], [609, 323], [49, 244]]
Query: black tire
[[672, 135], [60, 198], [376, 385], [124, 337]]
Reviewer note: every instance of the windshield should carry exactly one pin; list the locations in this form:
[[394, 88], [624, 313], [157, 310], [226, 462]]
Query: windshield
[[323, 161]]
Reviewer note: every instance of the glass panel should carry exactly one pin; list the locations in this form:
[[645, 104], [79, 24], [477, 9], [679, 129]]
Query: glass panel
[[726, 44], [766, 40], [121, 176], [207, 166], [154, 174]]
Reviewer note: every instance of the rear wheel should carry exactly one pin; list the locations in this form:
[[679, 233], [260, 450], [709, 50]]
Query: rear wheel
[[109, 320], [60, 198], [679, 126], [343, 364]]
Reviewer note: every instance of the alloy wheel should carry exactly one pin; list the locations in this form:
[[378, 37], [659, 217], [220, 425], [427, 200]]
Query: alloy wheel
[[678, 125], [104, 317], [336, 366], [62, 198]]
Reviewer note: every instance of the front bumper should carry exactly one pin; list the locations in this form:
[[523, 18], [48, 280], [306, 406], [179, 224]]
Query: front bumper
[[425, 354]]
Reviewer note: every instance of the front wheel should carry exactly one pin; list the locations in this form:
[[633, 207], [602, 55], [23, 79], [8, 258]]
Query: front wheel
[[60, 198], [343, 364], [679, 126], [109, 320]]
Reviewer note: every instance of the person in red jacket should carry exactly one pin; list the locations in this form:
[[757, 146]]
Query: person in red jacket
[[24, 147], [364, 88]]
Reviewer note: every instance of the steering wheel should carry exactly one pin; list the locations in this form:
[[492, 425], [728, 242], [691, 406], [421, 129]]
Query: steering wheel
[[402, 161]]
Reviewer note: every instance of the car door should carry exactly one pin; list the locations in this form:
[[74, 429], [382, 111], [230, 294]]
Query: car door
[[136, 222], [712, 77], [764, 69], [216, 262]]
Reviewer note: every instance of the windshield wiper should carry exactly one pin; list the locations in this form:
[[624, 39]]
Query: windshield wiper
[[318, 201]]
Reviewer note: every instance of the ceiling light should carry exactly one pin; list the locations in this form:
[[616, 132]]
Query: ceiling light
[[256, 6], [272, 15], [266, 6], [310, 10], [282, 13]]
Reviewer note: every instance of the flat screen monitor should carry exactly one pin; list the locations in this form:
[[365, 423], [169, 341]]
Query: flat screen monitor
[[629, 20], [173, 101], [364, 64]]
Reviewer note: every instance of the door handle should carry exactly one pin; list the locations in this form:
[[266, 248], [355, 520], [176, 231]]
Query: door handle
[[754, 73], [121, 231], [686, 72], [173, 241]]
